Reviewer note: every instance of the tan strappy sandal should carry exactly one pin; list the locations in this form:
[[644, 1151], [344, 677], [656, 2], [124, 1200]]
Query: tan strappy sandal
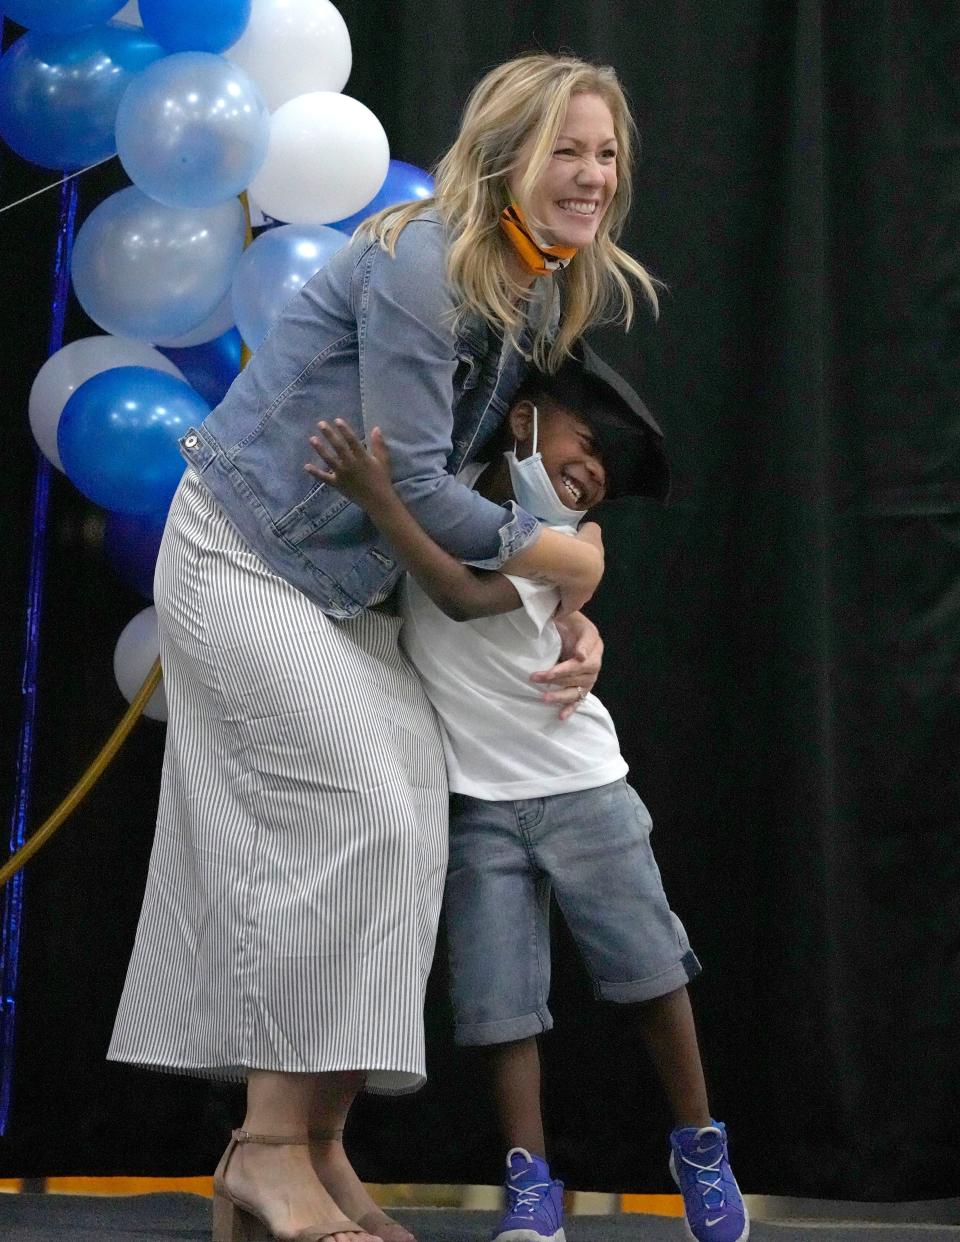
[[376, 1220], [236, 1221]]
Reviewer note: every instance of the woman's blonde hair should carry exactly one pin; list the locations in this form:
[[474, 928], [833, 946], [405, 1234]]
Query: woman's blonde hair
[[522, 100]]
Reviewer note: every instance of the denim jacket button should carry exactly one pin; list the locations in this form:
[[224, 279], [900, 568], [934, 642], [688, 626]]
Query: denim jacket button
[[191, 442]]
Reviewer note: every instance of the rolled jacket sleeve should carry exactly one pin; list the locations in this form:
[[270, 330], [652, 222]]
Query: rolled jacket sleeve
[[407, 357]]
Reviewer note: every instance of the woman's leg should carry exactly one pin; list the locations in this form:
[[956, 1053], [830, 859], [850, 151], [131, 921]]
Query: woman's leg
[[330, 1103], [668, 1031], [279, 1180]]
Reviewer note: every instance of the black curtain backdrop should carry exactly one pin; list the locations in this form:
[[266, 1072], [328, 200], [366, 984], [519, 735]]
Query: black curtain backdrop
[[783, 639]]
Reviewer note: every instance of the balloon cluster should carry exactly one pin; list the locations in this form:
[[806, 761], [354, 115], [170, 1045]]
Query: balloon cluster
[[202, 102]]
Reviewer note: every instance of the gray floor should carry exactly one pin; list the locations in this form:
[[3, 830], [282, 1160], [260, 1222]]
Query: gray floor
[[185, 1218]]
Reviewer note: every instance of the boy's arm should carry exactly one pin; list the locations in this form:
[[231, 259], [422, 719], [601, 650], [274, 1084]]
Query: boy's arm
[[364, 477]]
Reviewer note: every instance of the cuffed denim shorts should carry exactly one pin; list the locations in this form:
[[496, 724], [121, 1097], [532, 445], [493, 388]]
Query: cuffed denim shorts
[[592, 848]]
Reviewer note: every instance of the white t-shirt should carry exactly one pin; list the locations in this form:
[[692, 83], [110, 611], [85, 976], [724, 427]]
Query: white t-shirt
[[501, 741]]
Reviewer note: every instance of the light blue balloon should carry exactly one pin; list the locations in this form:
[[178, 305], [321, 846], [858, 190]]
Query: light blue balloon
[[192, 130], [403, 182], [195, 25], [275, 267], [59, 93], [153, 272], [61, 16], [118, 437]]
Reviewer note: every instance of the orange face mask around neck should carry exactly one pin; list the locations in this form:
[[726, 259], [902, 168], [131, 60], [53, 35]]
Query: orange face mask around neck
[[539, 260]]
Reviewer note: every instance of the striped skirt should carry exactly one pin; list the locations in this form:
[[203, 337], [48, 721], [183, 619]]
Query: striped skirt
[[297, 871]]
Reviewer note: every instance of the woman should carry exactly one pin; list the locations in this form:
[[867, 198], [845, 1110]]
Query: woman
[[295, 882]]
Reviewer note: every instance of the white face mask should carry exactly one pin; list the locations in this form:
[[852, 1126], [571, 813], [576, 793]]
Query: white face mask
[[534, 491]]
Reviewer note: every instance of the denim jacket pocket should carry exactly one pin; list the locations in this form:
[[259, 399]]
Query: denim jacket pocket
[[315, 511]]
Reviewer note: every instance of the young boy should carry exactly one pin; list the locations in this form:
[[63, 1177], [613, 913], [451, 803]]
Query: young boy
[[540, 803]]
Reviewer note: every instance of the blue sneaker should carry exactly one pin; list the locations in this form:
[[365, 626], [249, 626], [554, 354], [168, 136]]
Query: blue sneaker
[[714, 1207], [534, 1201]]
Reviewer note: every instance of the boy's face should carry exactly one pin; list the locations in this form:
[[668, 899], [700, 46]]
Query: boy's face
[[569, 448]]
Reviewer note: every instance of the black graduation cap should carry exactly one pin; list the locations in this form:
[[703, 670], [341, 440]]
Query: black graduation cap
[[631, 440]]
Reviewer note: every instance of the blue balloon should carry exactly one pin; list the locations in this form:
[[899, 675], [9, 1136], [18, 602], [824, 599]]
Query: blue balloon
[[152, 272], [118, 437], [195, 25], [192, 130], [61, 16], [403, 182], [209, 368], [275, 267], [59, 93], [130, 544]]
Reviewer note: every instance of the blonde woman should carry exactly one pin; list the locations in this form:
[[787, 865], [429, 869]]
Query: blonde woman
[[295, 883]]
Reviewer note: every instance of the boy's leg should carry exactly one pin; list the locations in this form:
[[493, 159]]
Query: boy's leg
[[515, 1070], [534, 1198], [597, 853], [497, 915], [698, 1145], [497, 909], [668, 1032]]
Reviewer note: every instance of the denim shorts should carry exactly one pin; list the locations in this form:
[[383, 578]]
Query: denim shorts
[[592, 848]]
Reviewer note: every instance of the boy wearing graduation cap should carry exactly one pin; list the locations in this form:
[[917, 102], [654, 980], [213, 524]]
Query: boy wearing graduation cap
[[539, 802]]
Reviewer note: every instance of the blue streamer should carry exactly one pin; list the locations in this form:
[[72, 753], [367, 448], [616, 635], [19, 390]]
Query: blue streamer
[[13, 893]]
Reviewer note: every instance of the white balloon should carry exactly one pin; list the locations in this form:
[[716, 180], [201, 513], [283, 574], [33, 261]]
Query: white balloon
[[290, 47], [63, 373], [130, 13], [328, 156], [137, 648], [222, 320]]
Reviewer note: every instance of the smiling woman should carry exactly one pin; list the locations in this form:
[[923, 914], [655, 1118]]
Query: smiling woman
[[544, 140], [301, 842], [577, 184]]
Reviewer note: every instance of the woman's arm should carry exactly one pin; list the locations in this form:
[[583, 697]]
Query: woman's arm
[[407, 359], [461, 592], [573, 566], [364, 477]]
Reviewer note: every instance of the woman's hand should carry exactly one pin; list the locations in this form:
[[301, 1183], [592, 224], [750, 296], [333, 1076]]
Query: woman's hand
[[574, 675], [363, 475]]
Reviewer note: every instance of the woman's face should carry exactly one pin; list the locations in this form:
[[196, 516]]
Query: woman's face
[[579, 179]]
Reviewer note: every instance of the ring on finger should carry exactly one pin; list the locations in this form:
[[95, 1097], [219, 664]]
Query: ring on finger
[[581, 693]]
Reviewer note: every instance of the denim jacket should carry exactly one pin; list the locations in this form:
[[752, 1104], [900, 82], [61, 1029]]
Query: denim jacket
[[369, 339]]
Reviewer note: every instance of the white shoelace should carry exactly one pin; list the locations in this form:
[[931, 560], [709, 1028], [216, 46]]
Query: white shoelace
[[527, 1197], [704, 1185]]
